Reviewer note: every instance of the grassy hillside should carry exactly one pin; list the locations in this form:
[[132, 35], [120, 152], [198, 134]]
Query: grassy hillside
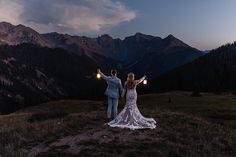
[[187, 126]]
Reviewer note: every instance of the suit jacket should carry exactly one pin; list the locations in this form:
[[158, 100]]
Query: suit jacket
[[114, 86]]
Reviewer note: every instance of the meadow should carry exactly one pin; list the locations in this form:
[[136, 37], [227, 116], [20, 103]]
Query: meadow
[[187, 126]]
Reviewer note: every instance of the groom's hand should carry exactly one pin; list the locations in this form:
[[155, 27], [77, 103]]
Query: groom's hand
[[98, 71]]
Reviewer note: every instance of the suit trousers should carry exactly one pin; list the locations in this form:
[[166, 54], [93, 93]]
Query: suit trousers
[[112, 107]]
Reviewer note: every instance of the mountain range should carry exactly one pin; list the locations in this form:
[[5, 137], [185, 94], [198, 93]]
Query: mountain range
[[139, 53], [40, 67]]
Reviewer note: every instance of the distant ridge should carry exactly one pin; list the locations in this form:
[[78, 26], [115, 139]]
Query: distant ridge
[[104, 49], [214, 72]]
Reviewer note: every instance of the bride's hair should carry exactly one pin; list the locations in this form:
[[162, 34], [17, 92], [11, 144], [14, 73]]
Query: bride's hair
[[130, 81], [130, 77]]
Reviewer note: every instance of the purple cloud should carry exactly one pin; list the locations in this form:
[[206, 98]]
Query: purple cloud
[[66, 16]]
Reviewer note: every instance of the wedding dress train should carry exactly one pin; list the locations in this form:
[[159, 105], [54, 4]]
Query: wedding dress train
[[130, 117]]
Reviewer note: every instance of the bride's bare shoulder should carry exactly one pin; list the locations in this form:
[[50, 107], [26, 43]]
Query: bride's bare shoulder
[[136, 82]]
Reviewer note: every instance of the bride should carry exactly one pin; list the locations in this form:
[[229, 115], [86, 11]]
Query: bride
[[130, 117]]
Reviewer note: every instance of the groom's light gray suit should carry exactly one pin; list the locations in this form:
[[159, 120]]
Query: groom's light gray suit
[[113, 91]]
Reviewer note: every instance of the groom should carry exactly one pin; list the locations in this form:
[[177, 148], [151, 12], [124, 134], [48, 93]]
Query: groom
[[113, 91]]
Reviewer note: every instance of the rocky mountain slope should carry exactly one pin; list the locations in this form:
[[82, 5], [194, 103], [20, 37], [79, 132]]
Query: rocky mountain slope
[[14, 35], [139, 53], [30, 74], [216, 71]]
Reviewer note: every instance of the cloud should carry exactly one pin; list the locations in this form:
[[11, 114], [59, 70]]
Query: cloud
[[66, 16], [9, 11]]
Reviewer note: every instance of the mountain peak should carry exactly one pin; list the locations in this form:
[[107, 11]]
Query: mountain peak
[[141, 35], [5, 26], [6, 23], [105, 36], [170, 36], [52, 34], [137, 36], [20, 25], [174, 42], [18, 34]]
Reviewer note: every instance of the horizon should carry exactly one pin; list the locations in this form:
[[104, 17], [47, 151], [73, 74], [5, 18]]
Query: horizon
[[205, 25], [99, 35]]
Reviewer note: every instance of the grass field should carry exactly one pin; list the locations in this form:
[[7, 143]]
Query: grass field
[[186, 127]]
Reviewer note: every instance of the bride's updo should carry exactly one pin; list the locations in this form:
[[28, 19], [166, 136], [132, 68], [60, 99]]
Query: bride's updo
[[130, 77], [130, 84]]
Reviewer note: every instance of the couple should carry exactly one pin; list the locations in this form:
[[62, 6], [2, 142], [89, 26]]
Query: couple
[[129, 117]]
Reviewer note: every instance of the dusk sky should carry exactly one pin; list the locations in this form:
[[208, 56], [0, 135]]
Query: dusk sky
[[204, 24]]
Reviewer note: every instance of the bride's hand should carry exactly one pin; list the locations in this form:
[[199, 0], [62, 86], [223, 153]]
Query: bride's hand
[[98, 71]]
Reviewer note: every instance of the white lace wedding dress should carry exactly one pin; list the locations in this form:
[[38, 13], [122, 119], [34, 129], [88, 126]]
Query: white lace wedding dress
[[130, 117]]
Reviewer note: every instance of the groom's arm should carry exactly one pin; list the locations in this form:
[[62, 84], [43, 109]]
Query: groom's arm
[[123, 91], [120, 87], [103, 75]]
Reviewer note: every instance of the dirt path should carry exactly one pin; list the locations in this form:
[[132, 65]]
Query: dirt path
[[92, 138]]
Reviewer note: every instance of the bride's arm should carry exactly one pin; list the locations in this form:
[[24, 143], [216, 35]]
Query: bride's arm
[[123, 91], [140, 80]]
